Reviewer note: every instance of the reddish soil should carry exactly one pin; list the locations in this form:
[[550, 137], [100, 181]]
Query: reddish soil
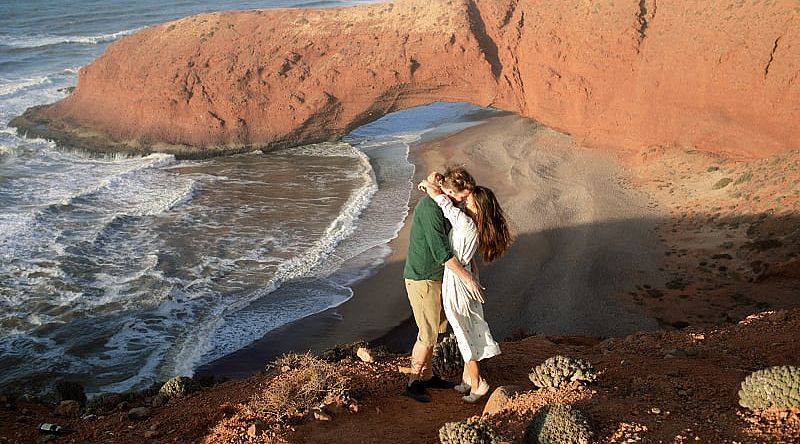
[[733, 236], [668, 386]]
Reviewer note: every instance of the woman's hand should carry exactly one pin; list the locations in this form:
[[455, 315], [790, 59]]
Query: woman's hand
[[476, 290], [427, 187], [424, 185], [474, 287], [435, 178]]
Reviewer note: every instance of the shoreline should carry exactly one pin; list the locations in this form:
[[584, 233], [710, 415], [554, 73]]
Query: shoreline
[[379, 312], [339, 325]]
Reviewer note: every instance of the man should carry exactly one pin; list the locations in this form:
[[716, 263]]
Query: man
[[428, 253]]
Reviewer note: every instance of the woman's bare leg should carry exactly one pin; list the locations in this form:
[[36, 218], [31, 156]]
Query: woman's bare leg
[[479, 387], [473, 373]]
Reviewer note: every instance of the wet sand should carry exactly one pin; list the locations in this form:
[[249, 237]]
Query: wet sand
[[582, 238]]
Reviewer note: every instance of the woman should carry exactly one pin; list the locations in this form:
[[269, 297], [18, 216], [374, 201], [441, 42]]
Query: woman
[[480, 227]]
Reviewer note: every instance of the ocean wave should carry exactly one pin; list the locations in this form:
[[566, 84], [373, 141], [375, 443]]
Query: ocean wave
[[341, 227], [22, 230], [8, 87], [134, 194], [6, 150], [328, 149], [201, 348], [116, 288], [41, 40], [116, 180]]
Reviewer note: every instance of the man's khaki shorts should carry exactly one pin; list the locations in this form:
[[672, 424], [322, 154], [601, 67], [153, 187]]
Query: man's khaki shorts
[[426, 303]]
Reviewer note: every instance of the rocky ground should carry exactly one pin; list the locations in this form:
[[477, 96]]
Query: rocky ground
[[732, 235], [667, 386]]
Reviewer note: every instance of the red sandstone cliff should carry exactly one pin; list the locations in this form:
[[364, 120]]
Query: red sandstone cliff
[[722, 76]]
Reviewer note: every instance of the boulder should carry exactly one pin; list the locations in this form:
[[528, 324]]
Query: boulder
[[365, 354], [499, 398], [139, 413]]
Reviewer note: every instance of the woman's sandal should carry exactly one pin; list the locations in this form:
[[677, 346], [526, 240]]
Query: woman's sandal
[[478, 393], [463, 388]]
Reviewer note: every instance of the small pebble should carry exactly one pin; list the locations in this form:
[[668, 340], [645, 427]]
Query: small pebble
[[321, 416]]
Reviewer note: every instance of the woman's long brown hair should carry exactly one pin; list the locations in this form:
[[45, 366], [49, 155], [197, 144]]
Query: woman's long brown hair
[[494, 237]]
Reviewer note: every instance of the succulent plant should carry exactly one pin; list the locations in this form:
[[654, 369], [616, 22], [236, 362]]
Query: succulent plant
[[559, 424], [559, 370], [773, 387], [470, 431], [178, 386], [446, 357]]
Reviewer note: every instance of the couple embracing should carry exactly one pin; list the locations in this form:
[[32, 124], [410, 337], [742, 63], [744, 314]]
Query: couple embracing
[[451, 225]]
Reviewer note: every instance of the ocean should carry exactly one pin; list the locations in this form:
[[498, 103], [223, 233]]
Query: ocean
[[118, 271]]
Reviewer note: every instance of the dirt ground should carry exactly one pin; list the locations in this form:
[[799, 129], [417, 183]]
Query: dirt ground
[[667, 386]]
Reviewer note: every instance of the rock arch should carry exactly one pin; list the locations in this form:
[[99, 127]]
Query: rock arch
[[621, 74]]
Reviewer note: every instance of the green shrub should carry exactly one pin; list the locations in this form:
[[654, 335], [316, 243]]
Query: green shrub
[[559, 424], [447, 358], [345, 351], [70, 391], [773, 387], [178, 386], [97, 404], [744, 178], [722, 183], [469, 431], [763, 244], [560, 370]]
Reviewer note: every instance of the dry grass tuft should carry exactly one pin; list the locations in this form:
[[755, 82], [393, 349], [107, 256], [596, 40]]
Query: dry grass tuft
[[305, 383]]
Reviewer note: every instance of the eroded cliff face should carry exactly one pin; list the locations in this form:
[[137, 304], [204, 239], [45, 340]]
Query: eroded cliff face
[[721, 76]]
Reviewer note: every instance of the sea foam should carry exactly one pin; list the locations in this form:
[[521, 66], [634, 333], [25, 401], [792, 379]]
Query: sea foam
[[40, 40], [8, 87], [239, 322]]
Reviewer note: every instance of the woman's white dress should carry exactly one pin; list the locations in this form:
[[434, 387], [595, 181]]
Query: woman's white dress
[[464, 313]]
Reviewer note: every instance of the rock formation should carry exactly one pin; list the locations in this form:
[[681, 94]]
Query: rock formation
[[720, 76]]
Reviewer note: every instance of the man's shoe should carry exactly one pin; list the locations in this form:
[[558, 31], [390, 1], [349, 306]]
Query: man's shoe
[[417, 392], [437, 382]]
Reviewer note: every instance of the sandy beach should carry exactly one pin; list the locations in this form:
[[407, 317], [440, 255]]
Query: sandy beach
[[581, 239]]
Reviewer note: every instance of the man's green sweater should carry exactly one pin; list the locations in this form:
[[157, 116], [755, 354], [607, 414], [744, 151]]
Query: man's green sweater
[[428, 245]]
